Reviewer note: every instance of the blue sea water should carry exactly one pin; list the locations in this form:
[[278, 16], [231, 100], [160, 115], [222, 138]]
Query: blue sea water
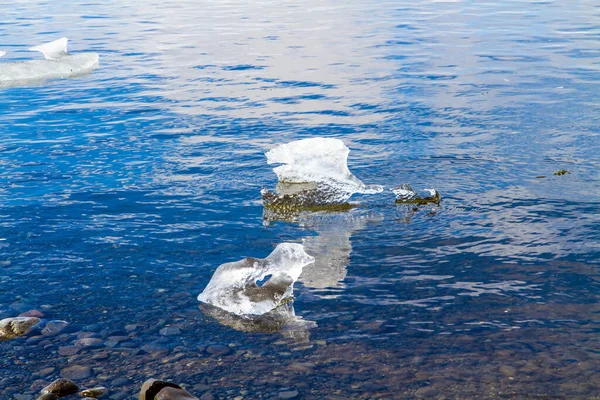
[[121, 192]]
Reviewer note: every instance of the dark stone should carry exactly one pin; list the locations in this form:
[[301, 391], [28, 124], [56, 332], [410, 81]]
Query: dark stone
[[151, 387], [61, 387], [218, 350], [48, 396], [119, 382]]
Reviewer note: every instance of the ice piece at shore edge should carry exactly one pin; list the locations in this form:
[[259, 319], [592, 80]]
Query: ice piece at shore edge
[[234, 287]]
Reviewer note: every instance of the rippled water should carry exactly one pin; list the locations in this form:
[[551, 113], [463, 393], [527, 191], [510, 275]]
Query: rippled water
[[122, 191]]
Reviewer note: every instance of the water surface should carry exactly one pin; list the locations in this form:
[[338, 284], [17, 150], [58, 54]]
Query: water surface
[[122, 191]]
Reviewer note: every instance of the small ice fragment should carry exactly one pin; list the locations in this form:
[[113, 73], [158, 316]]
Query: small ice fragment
[[256, 286], [405, 192], [432, 192]]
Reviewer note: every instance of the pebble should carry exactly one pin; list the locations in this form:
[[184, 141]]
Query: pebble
[[53, 328], [48, 396], [426, 392], [88, 342], [508, 371], [218, 350], [288, 394], [61, 387], [32, 313], [76, 372], [119, 382], [170, 331], [68, 350], [207, 396], [45, 371], [119, 396], [94, 392]]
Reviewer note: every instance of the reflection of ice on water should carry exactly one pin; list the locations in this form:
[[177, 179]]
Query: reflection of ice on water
[[282, 319], [331, 247]]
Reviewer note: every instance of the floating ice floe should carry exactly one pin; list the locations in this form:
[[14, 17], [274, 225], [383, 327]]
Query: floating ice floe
[[314, 174], [57, 64], [255, 286]]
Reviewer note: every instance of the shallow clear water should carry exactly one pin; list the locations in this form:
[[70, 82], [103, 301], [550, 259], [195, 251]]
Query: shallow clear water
[[122, 191]]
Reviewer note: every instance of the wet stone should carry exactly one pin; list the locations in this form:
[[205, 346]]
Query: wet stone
[[119, 382], [54, 328], [170, 393], [47, 396], [88, 342], [32, 313], [76, 372], [289, 394], [207, 396], [218, 350], [427, 392], [170, 331], [94, 392], [68, 350], [508, 371], [152, 387], [15, 327], [45, 371], [61, 387]]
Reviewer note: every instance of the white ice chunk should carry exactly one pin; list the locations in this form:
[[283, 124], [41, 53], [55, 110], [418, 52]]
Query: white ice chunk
[[235, 287], [53, 50], [2, 53], [35, 71], [320, 160], [432, 192]]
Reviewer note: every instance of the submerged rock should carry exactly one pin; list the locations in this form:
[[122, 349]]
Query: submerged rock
[[561, 172], [61, 387], [255, 286], [53, 328], [17, 326]]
